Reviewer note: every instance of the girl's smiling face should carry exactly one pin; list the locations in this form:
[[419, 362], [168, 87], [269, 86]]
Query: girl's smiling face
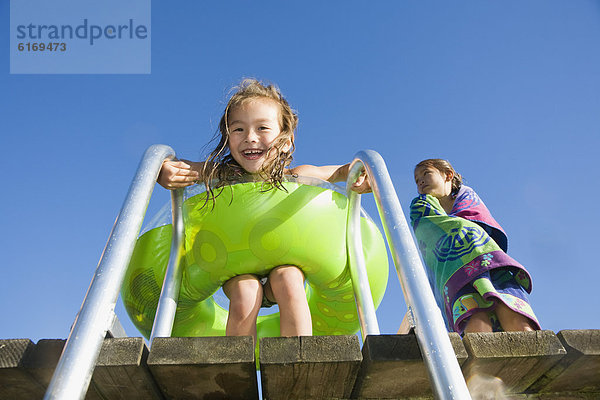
[[432, 181], [253, 128]]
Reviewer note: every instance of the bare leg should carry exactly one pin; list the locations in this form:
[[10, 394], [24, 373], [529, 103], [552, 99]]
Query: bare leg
[[286, 287], [511, 320], [245, 297], [478, 322]]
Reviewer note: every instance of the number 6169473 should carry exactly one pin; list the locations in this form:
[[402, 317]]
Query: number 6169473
[[50, 46]]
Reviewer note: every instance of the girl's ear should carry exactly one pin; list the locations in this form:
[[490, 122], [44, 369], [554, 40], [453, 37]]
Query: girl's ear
[[449, 176]]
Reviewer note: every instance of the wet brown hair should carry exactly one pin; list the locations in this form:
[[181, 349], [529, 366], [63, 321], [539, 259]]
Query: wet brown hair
[[444, 167], [220, 168]]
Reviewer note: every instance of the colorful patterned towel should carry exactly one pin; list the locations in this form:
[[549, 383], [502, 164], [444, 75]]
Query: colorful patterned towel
[[457, 250]]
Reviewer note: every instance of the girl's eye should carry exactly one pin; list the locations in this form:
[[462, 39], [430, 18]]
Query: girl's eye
[[263, 128]]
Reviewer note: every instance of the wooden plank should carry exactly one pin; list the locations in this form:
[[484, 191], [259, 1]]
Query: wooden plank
[[579, 370], [517, 358], [545, 396], [15, 381], [393, 367], [43, 360], [121, 372], [205, 367], [309, 367]]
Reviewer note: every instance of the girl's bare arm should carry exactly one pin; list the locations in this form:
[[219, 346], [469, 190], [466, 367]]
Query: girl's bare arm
[[333, 173]]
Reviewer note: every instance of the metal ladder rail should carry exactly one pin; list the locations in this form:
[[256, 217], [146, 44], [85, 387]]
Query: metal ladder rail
[[78, 359], [443, 368], [169, 294], [356, 260]]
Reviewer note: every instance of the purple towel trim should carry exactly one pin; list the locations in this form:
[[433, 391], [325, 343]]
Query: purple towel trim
[[468, 205], [477, 266]]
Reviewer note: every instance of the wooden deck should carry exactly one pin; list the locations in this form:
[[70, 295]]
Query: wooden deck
[[533, 365]]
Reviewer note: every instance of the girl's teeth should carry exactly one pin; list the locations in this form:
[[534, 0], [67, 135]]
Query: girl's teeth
[[252, 154]]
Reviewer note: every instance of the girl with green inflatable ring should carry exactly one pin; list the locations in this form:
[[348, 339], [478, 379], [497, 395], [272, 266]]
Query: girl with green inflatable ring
[[250, 231], [256, 140]]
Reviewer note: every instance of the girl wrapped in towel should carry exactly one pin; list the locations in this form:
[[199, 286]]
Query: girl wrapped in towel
[[477, 285]]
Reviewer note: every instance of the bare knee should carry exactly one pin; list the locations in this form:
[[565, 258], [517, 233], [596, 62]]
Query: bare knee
[[286, 283], [513, 321], [245, 295], [478, 322]]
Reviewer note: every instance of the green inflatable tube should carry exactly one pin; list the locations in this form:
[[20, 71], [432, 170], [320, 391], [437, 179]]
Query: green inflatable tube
[[251, 230]]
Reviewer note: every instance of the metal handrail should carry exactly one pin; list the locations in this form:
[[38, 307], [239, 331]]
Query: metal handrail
[[76, 365], [442, 366], [169, 295], [356, 258]]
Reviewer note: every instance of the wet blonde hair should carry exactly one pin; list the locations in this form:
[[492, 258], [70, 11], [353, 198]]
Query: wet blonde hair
[[444, 167], [221, 167]]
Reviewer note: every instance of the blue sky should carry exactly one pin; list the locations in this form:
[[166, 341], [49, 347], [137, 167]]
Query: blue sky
[[508, 91]]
